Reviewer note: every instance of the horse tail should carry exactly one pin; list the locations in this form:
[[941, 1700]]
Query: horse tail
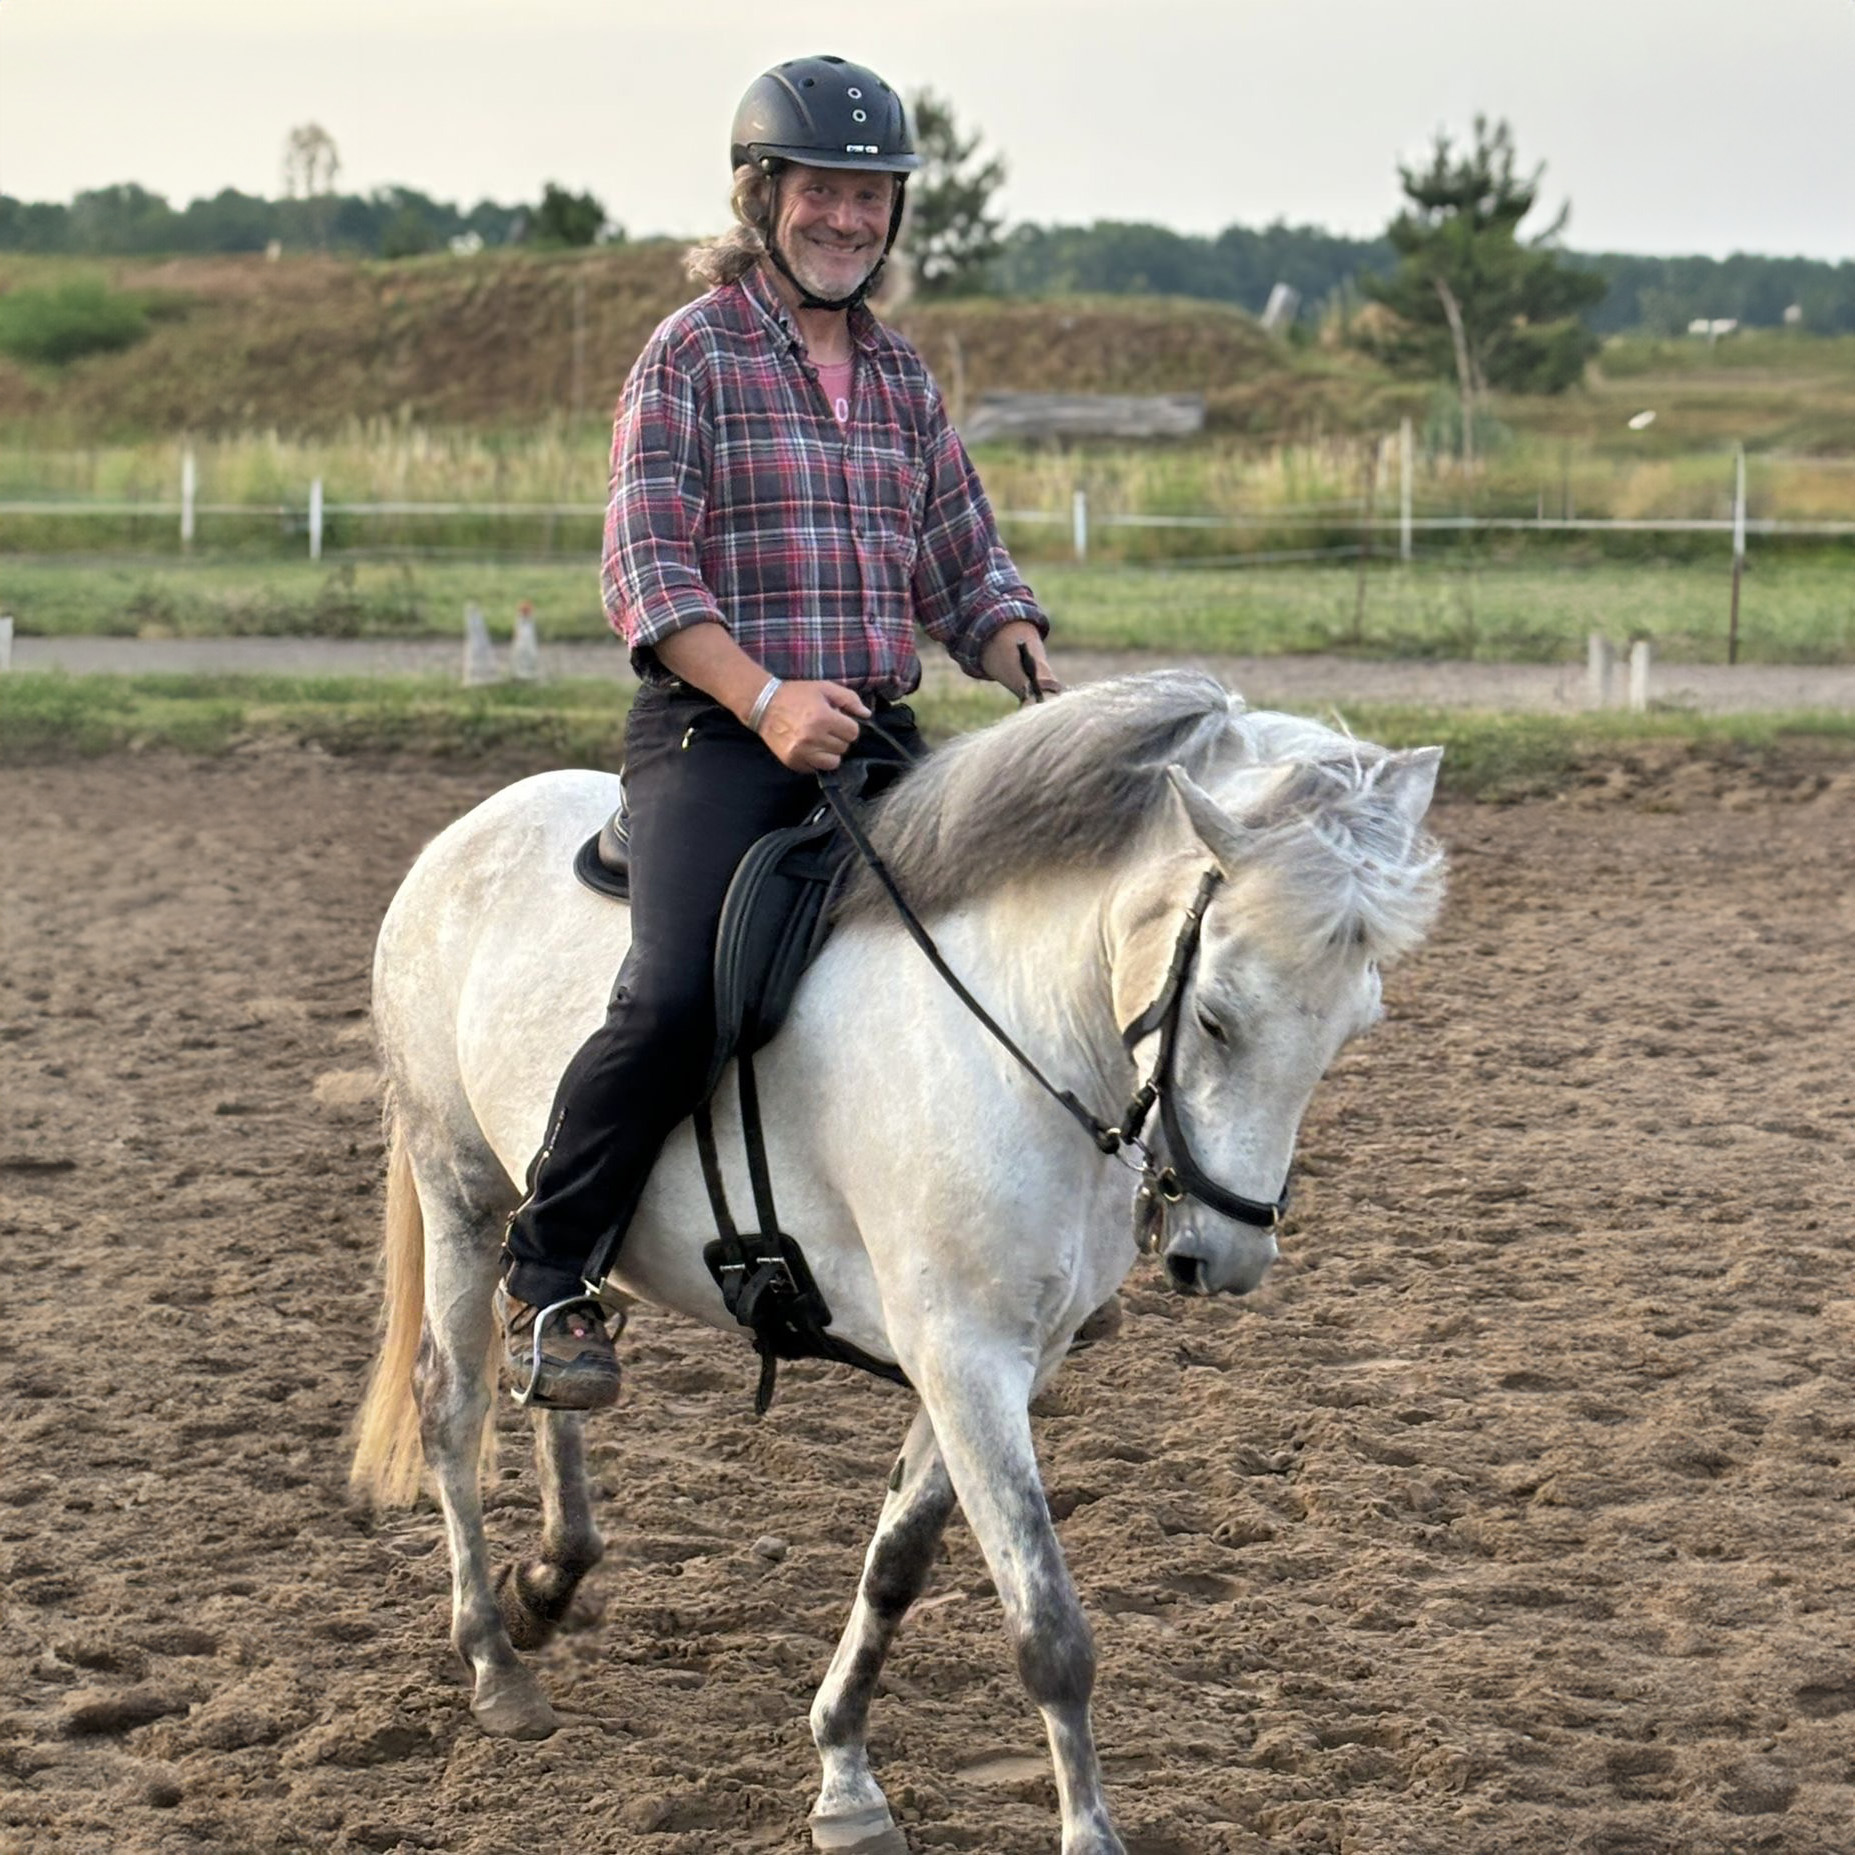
[[388, 1457]]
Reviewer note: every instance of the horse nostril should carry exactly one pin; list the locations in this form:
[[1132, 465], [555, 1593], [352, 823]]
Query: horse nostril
[[1187, 1272]]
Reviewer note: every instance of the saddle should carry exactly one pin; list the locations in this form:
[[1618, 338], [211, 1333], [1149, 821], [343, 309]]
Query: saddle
[[775, 920]]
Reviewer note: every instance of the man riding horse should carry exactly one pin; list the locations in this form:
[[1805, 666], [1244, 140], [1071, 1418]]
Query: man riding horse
[[789, 500]]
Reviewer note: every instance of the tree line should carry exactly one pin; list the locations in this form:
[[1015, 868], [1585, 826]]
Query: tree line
[[391, 222], [1239, 265]]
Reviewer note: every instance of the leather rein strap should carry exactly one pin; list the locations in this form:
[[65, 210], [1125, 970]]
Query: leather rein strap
[[1161, 1185]]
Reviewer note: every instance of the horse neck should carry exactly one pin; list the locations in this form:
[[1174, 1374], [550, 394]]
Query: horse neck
[[1037, 956]]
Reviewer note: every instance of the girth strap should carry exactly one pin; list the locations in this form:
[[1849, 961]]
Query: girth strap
[[763, 1276]]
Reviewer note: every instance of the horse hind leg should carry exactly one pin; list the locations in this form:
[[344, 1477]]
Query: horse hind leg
[[534, 1595], [851, 1812], [455, 1384]]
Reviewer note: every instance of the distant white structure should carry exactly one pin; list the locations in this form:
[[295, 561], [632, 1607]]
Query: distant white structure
[[479, 658], [1642, 421], [466, 244], [524, 647], [1793, 316], [1283, 306], [1713, 328]]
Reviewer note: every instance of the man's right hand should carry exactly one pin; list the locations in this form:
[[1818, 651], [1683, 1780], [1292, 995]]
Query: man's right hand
[[809, 727]]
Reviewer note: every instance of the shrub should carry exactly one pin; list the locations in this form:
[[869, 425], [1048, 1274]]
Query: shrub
[[60, 325]]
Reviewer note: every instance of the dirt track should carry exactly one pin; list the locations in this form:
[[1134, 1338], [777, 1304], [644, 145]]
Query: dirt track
[[1514, 1516]]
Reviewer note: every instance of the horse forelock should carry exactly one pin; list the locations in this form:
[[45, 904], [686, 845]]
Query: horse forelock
[[1335, 865], [1066, 784]]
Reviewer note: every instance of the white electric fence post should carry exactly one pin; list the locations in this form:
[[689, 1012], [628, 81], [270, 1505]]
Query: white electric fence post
[[189, 488], [1639, 675], [1079, 524], [1405, 448], [6, 643], [479, 659], [1739, 548], [1600, 668], [315, 519]]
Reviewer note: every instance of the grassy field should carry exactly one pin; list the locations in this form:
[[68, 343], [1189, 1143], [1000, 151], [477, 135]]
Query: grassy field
[[1490, 757], [1794, 609]]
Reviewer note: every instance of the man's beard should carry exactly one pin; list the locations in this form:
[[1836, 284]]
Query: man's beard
[[801, 258]]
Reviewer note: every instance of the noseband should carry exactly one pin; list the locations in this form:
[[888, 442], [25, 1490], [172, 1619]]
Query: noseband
[[1181, 1176]]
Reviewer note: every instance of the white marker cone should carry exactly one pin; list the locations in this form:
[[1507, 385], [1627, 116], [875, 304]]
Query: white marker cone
[[479, 659]]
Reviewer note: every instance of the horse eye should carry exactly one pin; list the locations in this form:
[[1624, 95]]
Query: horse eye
[[1211, 1028]]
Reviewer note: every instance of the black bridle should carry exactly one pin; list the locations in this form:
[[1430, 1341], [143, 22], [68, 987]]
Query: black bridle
[[1161, 1185]]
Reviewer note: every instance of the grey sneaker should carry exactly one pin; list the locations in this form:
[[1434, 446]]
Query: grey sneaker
[[561, 1356]]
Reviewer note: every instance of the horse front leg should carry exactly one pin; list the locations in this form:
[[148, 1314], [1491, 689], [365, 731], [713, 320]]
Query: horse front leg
[[534, 1594], [980, 1408], [454, 1391], [851, 1812]]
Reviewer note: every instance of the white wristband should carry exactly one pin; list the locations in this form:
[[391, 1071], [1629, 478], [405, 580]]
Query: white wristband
[[757, 714]]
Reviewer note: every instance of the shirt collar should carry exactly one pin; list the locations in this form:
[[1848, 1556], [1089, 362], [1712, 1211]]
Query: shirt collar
[[772, 306]]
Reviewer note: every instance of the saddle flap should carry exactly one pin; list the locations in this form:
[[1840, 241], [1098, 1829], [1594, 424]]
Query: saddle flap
[[774, 920]]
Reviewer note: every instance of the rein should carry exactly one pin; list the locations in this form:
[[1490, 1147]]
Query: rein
[[1160, 1185]]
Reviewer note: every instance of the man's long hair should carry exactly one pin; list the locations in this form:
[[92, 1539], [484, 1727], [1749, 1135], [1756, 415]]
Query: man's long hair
[[728, 257]]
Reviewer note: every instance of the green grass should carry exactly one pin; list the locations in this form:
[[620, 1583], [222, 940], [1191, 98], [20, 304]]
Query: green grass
[[1794, 609], [1492, 757], [569, 722]]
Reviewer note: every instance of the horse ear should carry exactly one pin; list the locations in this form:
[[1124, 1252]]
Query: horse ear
[[1408, 779], [1224, 837]]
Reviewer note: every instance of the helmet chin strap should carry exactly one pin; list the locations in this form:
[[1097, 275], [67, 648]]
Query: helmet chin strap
[[806, 299]]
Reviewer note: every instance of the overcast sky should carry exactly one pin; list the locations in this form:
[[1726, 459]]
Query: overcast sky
[[1672, 125]]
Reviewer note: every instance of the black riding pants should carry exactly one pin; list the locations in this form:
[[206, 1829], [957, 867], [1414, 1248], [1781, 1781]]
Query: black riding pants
[[701, 789]]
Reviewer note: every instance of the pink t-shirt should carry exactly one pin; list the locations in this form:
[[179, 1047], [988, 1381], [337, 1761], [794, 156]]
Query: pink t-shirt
[[836, 383]]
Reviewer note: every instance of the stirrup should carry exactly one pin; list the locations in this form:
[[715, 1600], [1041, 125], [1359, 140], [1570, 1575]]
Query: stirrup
[[524, 1397]]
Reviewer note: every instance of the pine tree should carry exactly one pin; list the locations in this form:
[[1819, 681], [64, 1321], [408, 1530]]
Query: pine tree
[[1473, 298], [953, 237]]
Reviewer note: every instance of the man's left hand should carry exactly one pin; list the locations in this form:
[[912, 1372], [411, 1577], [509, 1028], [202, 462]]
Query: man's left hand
[[999, 660]]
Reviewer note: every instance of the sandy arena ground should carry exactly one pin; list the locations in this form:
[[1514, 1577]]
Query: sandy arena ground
[[1514, 1516]]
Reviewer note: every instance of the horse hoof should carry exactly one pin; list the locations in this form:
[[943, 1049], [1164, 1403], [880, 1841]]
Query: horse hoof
[[858, 1832], [527, 1622], [513, 1707]]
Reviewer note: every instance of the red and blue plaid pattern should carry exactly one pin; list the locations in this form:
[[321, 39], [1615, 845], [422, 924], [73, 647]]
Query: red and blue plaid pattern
[[737, 497]]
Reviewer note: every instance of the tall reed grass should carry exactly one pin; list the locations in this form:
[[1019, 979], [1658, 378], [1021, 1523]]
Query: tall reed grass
[[1303, 495]]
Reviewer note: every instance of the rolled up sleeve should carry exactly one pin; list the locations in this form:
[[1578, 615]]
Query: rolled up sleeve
[[966, 587], [651, 577]]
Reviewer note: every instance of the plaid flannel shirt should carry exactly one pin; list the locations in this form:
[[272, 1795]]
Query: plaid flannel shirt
[[737, 498]]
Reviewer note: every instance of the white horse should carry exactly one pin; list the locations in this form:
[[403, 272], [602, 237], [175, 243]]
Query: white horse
[[957, 1220]]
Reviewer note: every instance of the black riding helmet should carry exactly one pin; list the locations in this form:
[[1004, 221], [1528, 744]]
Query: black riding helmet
[[825, 112]]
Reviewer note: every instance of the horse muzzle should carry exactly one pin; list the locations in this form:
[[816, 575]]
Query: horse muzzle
[[1217, 1262]]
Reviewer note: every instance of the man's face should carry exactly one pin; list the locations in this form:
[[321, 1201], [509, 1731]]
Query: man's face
[[831, 224]]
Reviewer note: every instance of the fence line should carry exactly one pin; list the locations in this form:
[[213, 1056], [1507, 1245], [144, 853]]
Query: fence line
[[1080, 518]]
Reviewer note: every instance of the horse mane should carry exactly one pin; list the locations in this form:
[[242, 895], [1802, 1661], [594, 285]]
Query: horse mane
[[1057, 785], [1336, 866], [1078, 782]]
